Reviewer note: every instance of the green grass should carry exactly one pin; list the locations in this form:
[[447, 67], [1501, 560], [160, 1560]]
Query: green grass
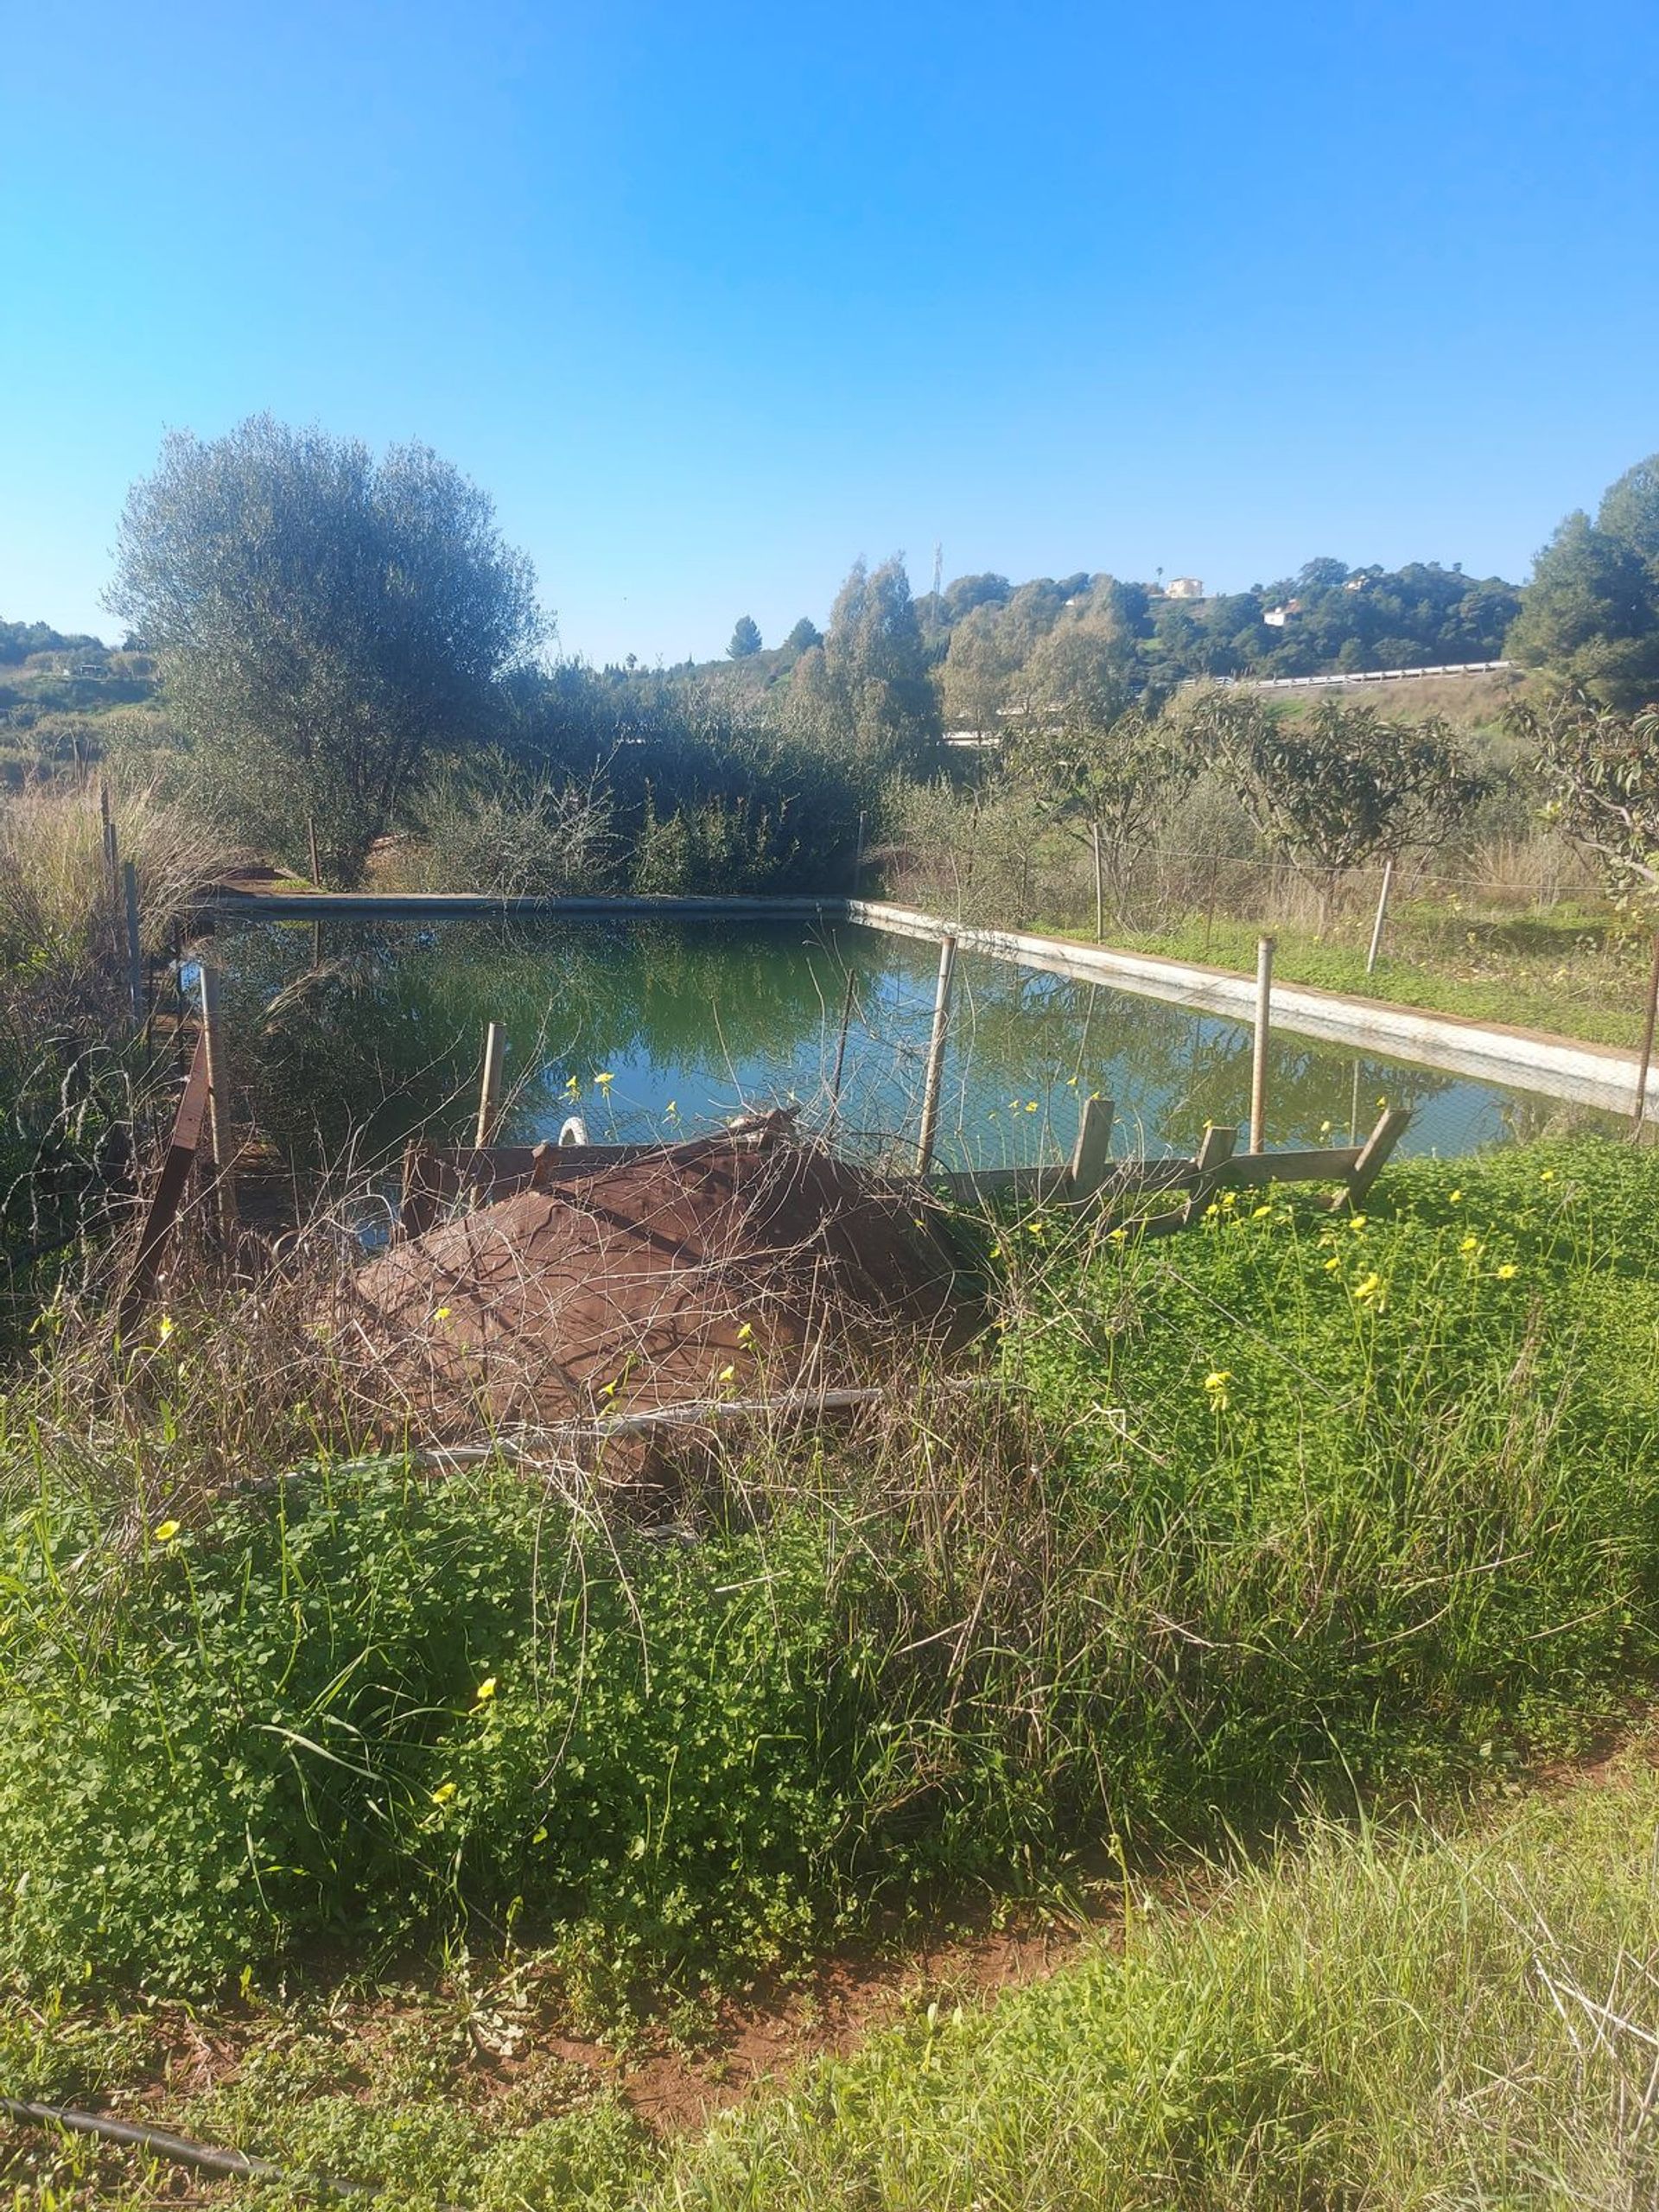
[[1571, 975], [1365, 2022], [1411, 1536]]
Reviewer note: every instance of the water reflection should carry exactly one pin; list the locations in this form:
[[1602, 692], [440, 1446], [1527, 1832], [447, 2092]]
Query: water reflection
[[355, 1036]]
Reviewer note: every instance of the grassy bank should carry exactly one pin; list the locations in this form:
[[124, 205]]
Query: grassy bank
[[1365, 2022], [1569, 973], [1286, 1506]]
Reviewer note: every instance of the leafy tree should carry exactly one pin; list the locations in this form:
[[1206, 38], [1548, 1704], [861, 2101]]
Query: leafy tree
[[1591, 612], [1601, 770], [805, 633], [325, 621], [977, 671], [746, 638], [1338, 786], [866, 690], [1105, 770]]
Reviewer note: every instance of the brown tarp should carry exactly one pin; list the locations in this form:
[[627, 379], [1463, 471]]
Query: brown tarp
[[740, 1265]]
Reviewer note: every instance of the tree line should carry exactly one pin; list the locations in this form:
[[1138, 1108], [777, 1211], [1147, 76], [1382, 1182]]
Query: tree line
[[347, 648]]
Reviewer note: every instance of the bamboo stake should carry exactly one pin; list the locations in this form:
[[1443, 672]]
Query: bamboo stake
[[1259, 1055], [936, 1055], [841, 1047], [135, 957], [489, 1092], [1100, 885], [1382, 911], [1647, 1040]]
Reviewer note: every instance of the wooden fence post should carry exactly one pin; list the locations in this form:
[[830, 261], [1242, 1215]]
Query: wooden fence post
[[218, 1096], [135, 955], [1100, 883], [1381, 912], [1091, 1153], [1214, 1153], [1259, 1054], [936, 1054], [489, 1090], [1374, 1154], [1647, 1040]]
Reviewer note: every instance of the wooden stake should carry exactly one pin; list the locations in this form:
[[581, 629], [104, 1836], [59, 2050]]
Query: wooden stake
[[217, 1097], [135, 957], [841, 1046], [1374, 1154], [1090, 1154], [1381, 912], [1100, 884], [1646, 1039], [489, 1092], [858, 859], [936, 1055], [311, 840], [168, 1193], [1215, 1151], [1259, 1056]]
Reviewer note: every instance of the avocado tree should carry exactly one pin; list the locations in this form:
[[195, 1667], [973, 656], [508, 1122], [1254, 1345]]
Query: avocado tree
[[325, 622], [1337, 787]]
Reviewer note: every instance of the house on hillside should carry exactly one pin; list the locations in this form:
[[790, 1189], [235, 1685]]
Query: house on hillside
[[1184, 588], [1276, 618]]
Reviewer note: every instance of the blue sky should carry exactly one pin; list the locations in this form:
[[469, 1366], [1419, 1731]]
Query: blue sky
[[715, 298]]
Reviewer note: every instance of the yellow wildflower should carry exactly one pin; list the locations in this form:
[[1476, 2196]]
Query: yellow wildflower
[[670, 1110], [1549, 1175], [747, 1329], [1215, 1384], [1507, 1272], [1358, 1223], [487, 1689], [1261, 1213], [443, 1793], [1469, 1245], [1117, 1236], [440, 1314], [603, 1081], [1333, 1264], [164, 1531], [164, 1328], [1031, 1105], [1454, 1199], [727, 1374], [1366, 1291]]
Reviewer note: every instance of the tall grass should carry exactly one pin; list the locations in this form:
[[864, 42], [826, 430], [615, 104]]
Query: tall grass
[[1287, 1508], [1373, 2020]]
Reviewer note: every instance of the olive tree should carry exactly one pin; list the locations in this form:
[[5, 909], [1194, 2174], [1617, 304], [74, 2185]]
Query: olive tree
[[325, 621], [1336, 787]]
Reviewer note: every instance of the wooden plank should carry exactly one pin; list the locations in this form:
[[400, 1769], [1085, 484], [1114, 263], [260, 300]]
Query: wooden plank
[[1217, 1148], [1374, 1156], [1252, 1169], [168, 1193], [1039, 1184], [935, 1075], [1091, 1155]]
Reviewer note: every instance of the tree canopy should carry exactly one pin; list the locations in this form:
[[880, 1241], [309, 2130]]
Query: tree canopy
[[324, 619], [746, 638], [1591, 613]]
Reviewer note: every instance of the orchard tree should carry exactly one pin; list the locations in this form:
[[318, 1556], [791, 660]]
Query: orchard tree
[[1600, 770], [1106, 770], [746, 638], [1337, 787], [326, 622]]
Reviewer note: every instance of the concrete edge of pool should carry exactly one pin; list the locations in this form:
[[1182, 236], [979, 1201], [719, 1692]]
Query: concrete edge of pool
[[1564, 1067]]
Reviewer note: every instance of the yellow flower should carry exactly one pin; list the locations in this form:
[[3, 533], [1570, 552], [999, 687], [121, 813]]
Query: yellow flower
[[670, 1109], [1469, 1245], [164, 1328], [1324, 1128], [443, 1793], [1229, 1198], [1117, 1236], [1333, 1264], [727, 1374], [1549, 1175], [747, 1329], [487, 1689], [1507, 1272], [440, 1314], [1261, 1213], [164, 1531], [604, 1080], [572, 1085], [1367, 1290], [1358, 1223], [1454, 1199], [1031, 1105], [1218, 1378]]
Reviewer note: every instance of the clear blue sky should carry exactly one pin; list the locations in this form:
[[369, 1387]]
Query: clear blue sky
[[712, 298]]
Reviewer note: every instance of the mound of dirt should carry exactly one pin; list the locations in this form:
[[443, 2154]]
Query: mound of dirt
[[737, 1265]]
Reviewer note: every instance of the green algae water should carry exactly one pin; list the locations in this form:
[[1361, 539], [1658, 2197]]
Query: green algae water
[[345, 1041]]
